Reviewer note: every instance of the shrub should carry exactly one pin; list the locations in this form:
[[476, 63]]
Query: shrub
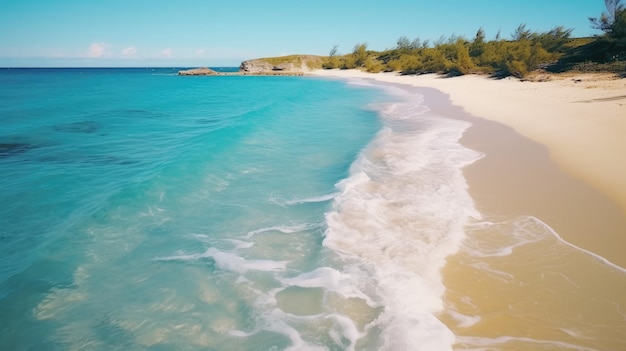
[[373, 65], [461, 60], [347, 62], [406, 64], [434, 60], [360, 54], [516, 68], [331, 62]]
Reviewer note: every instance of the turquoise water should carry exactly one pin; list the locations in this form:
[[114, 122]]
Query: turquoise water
[[148, 211]]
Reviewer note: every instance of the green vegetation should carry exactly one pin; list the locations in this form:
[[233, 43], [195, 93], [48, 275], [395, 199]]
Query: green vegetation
[[613, 24], [311, 61], [457, 55], [525, 52], [604, 53]]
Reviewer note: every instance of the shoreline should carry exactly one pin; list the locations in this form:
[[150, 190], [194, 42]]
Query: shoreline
[[589, 107], [529, 171]]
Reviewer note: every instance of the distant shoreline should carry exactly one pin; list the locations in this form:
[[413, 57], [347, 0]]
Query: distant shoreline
[[288, 74], [249, 68], [218, 71]]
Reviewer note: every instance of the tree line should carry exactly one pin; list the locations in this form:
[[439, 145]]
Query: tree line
[[523, 53]]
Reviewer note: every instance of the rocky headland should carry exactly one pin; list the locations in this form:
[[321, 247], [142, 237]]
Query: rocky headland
[[293, 65], [284, 65]]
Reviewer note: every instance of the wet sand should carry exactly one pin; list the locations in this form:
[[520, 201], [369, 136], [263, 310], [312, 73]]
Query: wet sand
[[544, 294], [517, 177]]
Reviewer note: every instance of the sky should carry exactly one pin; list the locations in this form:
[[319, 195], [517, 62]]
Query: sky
[[190, 33]]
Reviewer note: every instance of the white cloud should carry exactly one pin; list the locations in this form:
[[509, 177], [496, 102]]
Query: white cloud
[[130, 51], [200, 52], [98, 50], [167, 53]]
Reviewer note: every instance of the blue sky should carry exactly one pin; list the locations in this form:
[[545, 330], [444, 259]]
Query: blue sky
[[223, 33]]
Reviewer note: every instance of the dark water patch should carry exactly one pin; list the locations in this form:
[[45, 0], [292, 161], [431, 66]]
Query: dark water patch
[[132, 113], [78, 127], [21, 297], [96, 160], [112, 160], [24, 146], [107, 161], [213, 123], [15, 148], [108, 330], [206, 121], [140, 113]]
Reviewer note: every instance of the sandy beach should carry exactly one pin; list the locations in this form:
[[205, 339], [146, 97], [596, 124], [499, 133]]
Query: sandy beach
[[579, 118], [577, 125], [544, 267]]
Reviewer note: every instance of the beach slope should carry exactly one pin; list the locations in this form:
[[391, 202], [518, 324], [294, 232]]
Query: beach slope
[[581, 119], [554, 149]]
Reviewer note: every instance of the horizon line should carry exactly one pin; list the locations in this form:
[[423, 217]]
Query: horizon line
[[108, 67]]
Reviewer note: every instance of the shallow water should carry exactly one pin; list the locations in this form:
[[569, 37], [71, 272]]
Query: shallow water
[[151, 211]]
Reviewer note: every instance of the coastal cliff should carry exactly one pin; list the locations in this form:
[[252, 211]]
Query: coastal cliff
[[293, 65], [283, 65]]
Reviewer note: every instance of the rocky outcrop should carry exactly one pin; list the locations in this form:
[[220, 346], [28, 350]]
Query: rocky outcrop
[[285, 65], [261, 66], [257, 66], [203, 71], [293, 65]]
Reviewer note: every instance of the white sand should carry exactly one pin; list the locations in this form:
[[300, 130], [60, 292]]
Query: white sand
[[581, 119]]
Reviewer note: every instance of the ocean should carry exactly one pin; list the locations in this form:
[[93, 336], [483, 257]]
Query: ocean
[[149, 211]]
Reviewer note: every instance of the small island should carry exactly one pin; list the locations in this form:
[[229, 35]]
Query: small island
[[202, 71]]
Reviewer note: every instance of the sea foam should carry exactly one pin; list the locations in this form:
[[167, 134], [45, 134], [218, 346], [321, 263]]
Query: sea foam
[[401, 212], [202, 227]]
